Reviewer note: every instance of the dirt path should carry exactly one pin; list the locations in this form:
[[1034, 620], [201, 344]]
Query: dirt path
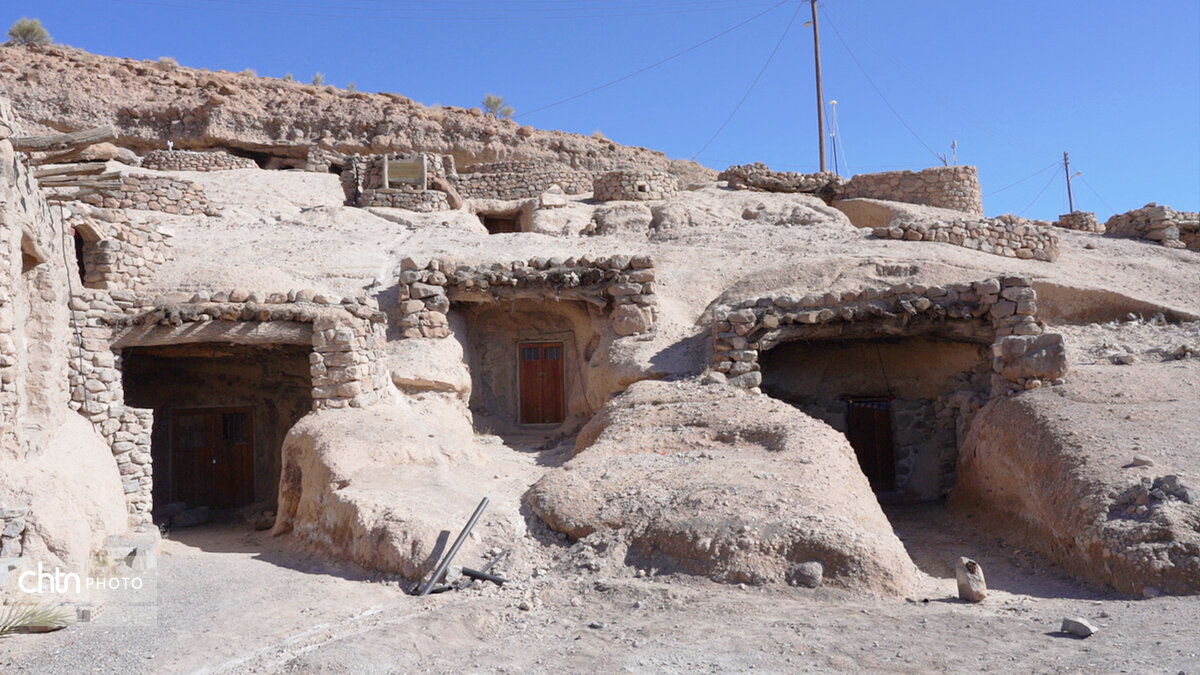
[[232, 600]]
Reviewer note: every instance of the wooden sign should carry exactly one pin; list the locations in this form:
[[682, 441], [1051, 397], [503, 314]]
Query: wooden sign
[[406, 171]]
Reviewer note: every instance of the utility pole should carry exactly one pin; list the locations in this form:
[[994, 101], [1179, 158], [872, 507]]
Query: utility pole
[[1067, 170], [820, 96]]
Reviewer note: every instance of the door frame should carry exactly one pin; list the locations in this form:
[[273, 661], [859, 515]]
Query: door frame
[[562, 344], [888, 479], [210, 410]]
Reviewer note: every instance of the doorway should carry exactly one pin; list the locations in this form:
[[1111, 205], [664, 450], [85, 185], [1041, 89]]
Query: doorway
[[869, 430], [501, 224], [541, 382], [214, 456]]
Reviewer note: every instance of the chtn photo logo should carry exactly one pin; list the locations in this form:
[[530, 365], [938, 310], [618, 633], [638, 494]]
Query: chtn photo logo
[[43, 581]]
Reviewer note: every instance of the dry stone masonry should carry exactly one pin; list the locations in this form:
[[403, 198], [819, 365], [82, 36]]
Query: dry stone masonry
[[154, 193], [1001, 311], [188, 160], [948, 187], [759, 176], [634, 185], [1171, 228], [117, 252], [990, 235], [363, 182], [1082, 221], [519, 180], [624, 285]]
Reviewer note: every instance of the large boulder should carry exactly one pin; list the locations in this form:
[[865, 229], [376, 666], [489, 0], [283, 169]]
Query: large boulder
[[719, 482]]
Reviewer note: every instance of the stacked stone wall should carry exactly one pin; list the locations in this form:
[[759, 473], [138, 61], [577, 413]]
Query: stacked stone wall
[[989, 235], [423, 201], [759, 176], [948, 187], [634, 185], [1163, 224], [188, 160], [1081, 221], [120, 253], [623, 285], [1003, 310], [347, 364], [154, 193], [520, 180], [362, 183], [12, 529]]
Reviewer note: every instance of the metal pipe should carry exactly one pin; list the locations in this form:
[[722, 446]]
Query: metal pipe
[[462, 536]]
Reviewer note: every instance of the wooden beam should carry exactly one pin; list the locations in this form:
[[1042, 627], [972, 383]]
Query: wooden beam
[[236, 332], [85, 168], [67, 181], [56, 142]]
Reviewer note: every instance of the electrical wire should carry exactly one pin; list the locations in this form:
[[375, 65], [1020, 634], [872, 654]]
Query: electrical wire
[[1089, 186], [876, 88], [652, 65], [753, 84], [1052, 165], [1039, 196]]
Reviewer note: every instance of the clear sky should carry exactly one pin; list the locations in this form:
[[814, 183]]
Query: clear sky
[[1014, 82]]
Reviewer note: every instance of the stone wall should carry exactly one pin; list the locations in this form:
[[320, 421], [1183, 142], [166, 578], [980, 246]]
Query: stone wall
[[948, 187], [520, 180], [1171, 228], [1082, 221], [362, 183], [990, 235], [759, 176], [154, 193], [117, 252], [622, 285], [12, 527], [347, 363], [188, 160], [634, 185], [984, 311]]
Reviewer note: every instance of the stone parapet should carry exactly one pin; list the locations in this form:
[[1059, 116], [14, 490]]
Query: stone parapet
[[1163, 224], [759, 176], [948, 187], [989, 235], [188, 160], [1081, 221], [520, 180], [621, 285], [154, 193], [988, 311], [634, 185]]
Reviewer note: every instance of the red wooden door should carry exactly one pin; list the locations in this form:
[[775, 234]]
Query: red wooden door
[[213, 456], [869, 430], [540, 378]]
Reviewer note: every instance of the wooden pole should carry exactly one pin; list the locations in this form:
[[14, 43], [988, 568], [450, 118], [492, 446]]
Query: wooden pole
[[56, 142], [820, 95], [1067, 170]]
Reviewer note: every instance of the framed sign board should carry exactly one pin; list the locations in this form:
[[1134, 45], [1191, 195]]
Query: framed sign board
[[404, 171]]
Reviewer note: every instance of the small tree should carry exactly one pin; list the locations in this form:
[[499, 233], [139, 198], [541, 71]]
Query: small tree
[[352, 87], [496, 107], [28, 32], [319, 79], [288, 77]]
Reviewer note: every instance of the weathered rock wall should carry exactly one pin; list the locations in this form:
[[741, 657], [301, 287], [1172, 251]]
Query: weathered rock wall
[[1082, 221], [154, 193], [759, 176], [634, 185], [520, 180], [1171, 228], [989, 235], [116, 251], [948, 187], [187, 160]]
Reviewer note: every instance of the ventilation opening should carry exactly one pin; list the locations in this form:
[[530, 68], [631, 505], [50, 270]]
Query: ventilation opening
[[80, 262], [500, 223]]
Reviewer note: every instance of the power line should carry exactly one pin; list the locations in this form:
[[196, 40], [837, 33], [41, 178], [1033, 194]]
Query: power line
[[1039, 194], [1089, 186], [1053, 165], [875, 87], [753, 84], [653, 65]]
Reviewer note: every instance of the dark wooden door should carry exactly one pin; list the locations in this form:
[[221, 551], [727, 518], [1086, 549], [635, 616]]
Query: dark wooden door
[[213, 455], [869, 429], [541, 382]]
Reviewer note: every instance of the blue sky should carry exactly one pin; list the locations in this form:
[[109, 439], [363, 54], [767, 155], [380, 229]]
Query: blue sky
[[1015, 83]]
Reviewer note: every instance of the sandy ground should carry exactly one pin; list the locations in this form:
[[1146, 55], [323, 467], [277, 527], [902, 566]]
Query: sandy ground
[[233, 600]]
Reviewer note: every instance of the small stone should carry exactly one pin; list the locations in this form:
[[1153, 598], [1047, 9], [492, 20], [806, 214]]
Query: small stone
[[971, 584], [807, 574], [1078, 626]]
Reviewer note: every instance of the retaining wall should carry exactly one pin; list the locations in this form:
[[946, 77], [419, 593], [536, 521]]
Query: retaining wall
[[948, 187]]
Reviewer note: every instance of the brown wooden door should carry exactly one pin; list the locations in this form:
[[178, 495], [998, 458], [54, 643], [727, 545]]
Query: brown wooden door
[[869, 430], [213, 456], [541, 382]]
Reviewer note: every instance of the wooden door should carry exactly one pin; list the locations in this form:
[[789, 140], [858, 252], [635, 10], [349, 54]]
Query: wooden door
[[541, 382], [869, 430], [213, 456]]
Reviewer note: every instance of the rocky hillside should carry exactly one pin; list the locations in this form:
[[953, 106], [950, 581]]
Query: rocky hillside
[[151, 102]]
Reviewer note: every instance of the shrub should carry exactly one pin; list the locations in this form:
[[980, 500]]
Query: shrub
[[496, 107], [319, 79], [28, 32], [249, 72], [351, 87], [599, 135], [168, 61], [288, 77]]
